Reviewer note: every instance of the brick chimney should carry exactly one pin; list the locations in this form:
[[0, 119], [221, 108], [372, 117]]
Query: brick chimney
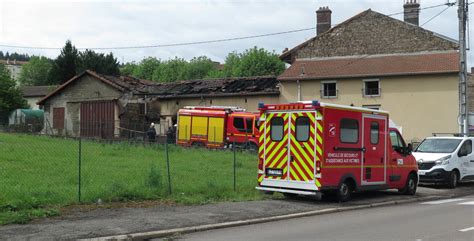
[[323, 20], [411, 10]]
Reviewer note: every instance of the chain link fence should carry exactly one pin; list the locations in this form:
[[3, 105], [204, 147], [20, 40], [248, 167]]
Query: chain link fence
[[38, 172]]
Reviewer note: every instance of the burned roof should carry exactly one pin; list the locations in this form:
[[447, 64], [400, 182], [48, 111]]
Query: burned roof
[[244, 86]]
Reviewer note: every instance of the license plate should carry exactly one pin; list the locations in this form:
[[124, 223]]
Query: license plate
[[421, 172], [274, 172]]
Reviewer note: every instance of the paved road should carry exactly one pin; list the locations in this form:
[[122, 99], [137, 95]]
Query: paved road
[[105, 221], [445, 219]]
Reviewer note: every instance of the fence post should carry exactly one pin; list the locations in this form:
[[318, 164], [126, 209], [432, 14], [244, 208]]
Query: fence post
[[168, 165], [79, 170], [233, 146]]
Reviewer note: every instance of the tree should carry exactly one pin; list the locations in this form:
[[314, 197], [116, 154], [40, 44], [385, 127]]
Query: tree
[[253, 62], [171, 70], [64, 66], [199, 68], [231, 65], [35, 72], [128, 68], [98, 62], [145, 69], [11, 97]]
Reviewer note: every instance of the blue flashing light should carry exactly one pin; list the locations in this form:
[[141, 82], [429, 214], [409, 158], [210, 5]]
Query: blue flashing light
[[315, 103], [261, 105]]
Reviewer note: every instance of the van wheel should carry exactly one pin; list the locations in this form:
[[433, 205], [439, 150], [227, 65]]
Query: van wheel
[[410, 186], [453, 179], [344, 192]]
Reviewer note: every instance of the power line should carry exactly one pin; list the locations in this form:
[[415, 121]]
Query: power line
[[429, 7], [435, 16], [168, 45], [206, 41]]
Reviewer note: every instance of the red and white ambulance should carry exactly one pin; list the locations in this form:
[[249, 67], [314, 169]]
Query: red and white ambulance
[[312, 147]]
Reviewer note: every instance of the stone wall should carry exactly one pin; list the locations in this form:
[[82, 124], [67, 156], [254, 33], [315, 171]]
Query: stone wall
[[86, 88]]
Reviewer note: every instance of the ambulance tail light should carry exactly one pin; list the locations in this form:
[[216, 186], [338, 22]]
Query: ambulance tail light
[[318, 167], [260, 164]]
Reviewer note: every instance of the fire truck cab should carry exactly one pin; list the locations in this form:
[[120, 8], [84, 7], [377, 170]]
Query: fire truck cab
[[311, 148], [217, 126]]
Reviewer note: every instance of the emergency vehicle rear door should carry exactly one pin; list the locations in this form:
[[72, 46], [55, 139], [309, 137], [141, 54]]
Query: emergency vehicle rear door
[[374, 156], [302, 147], [276, 145]]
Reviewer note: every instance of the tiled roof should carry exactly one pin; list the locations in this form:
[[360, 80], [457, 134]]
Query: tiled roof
[[245, 86], [37, 91], [373, 66]]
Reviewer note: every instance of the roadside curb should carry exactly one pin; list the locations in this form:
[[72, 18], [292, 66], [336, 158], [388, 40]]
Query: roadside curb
[[206, 227]]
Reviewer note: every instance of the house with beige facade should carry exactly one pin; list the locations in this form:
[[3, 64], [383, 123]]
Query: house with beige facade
[[375, 61]]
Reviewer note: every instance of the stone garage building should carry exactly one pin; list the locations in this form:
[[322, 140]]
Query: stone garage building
[[95, 105]]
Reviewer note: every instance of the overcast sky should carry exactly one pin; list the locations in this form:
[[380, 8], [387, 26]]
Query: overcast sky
[[90, 24]]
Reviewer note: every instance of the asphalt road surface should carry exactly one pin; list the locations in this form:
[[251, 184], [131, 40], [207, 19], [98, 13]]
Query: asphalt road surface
[[445, 219]]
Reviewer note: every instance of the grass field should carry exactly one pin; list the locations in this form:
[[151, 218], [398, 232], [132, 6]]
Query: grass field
[[39, 174]]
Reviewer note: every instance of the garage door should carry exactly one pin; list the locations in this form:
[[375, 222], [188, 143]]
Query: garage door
[[97, 119]]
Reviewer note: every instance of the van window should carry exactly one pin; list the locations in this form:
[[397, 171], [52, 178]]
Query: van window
[[374, 133], [302, 128], [437, 145], [349, 130], [276, 129], [239, 124], [249, 122], [466, 147]]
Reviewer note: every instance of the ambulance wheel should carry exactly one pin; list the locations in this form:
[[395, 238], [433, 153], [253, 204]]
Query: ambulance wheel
[[343, 194], [453, 179], [290, 195], [410, 186]]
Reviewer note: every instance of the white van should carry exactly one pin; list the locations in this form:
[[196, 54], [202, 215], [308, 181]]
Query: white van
[[445, 160]]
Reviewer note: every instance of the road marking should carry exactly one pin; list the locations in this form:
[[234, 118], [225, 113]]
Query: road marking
[[467, 203], [466, 229], [444, 201]]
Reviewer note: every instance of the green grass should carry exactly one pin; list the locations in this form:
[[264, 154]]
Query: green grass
[[39, 174]]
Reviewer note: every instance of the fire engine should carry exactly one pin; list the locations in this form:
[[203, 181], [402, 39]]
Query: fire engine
[[217, 127], [314, 148]]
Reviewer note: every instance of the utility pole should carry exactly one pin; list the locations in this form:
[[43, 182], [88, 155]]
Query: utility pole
[[463, 105]]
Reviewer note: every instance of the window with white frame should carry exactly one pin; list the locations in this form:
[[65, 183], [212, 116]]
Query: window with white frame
[[371, 87], [328, 89], [373, 107]]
